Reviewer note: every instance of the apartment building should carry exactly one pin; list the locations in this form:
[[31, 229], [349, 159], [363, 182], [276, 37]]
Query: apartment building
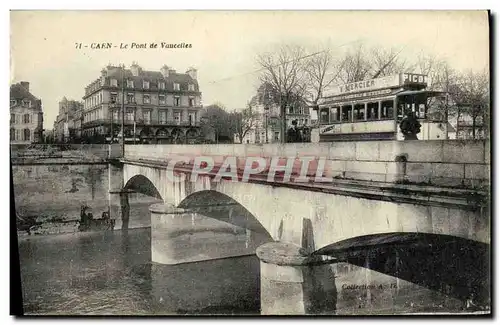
[[159, 106], [26, 115], [67, 126]]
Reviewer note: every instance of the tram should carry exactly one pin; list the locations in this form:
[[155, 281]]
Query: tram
[[372, 109]]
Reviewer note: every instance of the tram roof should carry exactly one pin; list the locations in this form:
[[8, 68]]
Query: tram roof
[[404, 92], [418, 92]]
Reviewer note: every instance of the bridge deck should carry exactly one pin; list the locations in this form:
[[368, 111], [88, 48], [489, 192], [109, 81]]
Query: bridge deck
[[469, 199]]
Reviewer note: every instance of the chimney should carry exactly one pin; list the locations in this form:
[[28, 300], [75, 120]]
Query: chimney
[[26, 85], [164, 71], [135, 68], [192, 72]]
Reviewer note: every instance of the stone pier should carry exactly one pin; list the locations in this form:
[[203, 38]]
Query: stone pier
[[184, 243], [293, 283], [119, 207]]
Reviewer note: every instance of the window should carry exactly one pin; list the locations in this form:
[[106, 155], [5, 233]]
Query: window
[[130, 115], [192, 118], [27, 103], [177, 118], [163, 117], [290, 109], [130, 83], [26, 118], [12, 134], [116, 115], [191, 87], [421, 111], [27, 135], [276, 136], [324, 116], [191, 102], [305, 122], [146, 115], [130, 98], [145, 84], [387, 110], [177, 86], [113, 82], [12, 118], [161, 99], [372, 113], [18, 134], [347, 113], [334, 114], [177, 101], [13, 102], [359, 112], [146, 99], [113, 98], [161, 85]]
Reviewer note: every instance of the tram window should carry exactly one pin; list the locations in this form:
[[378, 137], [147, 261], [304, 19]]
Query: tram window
[[387, 110], [372, 113], [347, 113], [335, 114], [359, 112], [324, 116], [421, 111]]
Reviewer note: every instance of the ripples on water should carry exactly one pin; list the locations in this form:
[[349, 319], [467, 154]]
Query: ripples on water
[[105, 273]]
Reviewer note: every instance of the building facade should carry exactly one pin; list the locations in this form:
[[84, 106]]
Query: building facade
[[159, 106], [26, 115], [269, 121], [67, 124]]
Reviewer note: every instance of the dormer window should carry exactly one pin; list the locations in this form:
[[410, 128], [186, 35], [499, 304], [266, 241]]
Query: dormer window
[[177, 86], [113, 82], [13, 102], [191, 87], [145, 84], [130, 83], [161, 85], [27, 103]]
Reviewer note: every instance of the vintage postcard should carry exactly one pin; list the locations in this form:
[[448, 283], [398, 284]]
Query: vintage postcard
[[250, 162]]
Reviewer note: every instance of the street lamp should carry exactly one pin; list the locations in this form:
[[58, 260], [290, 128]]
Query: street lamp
[[122, 68]]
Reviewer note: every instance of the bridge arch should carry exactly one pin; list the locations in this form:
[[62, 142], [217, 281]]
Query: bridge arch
[[448, 264], [141, 184], [220, 206]]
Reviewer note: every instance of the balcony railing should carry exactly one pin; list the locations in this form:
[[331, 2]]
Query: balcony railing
[[139, 122]]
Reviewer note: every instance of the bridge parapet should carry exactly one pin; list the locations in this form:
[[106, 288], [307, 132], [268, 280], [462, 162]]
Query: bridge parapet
[[440, 163]]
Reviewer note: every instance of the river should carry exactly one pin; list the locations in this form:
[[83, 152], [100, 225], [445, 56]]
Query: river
[[110, 273]]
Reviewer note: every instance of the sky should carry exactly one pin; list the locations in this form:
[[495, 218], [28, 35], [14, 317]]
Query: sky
[[224, 44]]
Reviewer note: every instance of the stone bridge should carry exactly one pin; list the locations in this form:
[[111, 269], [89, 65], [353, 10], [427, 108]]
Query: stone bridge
[[377, 205]]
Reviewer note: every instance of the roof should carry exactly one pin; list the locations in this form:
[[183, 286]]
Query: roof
[[17, 91], [417, 92], [151, 75], [183, 79]]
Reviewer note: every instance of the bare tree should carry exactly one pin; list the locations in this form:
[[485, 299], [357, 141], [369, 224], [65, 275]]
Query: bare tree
[[356, 65], [283, 71], [386, 62], [472, 95], [321, 71], [244, 121]]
